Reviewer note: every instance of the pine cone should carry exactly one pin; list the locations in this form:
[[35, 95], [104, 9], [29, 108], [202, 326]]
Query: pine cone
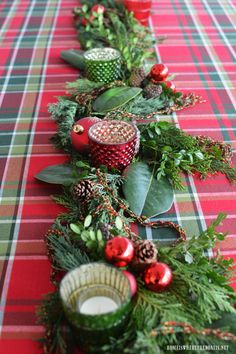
[[105, 229], [137, 76], [152, 91], [83, 190], [145, 252]]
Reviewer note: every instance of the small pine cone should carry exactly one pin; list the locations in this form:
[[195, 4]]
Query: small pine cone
[[152, 91], [136, 78], [83, 190], [145, 252], [105, 229]]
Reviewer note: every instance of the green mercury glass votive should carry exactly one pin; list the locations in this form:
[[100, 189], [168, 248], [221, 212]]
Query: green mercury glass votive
[[103, 64], [96, 298]]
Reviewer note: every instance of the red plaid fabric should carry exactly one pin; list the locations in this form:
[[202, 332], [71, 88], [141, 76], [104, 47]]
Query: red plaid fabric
[[199, 48]]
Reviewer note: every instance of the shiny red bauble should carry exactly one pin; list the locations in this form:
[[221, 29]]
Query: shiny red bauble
[[98, 9], [159, 72], [170, 85], [157, 276], [132, 281], [79, 134], [119, 251]]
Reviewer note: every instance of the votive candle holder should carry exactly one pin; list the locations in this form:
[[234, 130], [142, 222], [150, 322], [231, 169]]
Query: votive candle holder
[[96, 298], [113, 143], [102, 64]]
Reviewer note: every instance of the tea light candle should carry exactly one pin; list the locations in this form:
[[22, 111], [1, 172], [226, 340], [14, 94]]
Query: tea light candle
[[98, 305]]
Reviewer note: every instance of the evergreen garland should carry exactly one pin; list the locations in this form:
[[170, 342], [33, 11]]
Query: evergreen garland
[[200, 293]]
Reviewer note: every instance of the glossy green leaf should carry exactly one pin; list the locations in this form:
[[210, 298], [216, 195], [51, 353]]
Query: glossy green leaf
[[115, 98], [74, 58], [56, 174], [145, 194]]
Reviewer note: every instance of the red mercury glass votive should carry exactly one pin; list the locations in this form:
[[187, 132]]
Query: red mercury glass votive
[[140, 8], [113, 143]]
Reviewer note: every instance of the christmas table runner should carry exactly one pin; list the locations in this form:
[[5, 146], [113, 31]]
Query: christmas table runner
[[198, 48]]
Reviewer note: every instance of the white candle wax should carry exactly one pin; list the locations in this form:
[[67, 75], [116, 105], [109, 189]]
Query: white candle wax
[[98, 305]]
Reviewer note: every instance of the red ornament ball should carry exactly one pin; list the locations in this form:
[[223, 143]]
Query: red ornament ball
[[98, 9], [159, 72], [170, 85], [79, 133], [119, 251], [132, 281], [157, 276]]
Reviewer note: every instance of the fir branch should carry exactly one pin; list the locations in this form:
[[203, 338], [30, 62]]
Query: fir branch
[[63, 112], [141, 106], [82, 86]]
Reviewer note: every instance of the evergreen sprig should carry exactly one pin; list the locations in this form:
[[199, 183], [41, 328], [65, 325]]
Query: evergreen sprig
[[173, 151], [63, 112], [66, 255], [51, 316], [83, 86]]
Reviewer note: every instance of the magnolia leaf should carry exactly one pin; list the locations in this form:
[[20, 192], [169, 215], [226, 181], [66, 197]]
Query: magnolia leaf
[[56, 174], [145, 194], [74, 57], [115, 98]]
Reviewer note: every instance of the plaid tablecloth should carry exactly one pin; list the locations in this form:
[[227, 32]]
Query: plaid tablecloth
[[199, 48]]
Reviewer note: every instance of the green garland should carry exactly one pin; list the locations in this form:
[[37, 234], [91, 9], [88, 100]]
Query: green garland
[[196, 308], [115, 28]]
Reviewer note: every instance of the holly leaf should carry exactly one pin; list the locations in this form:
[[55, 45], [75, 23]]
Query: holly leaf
[[145, 194], [57, 174], [115, 98]]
